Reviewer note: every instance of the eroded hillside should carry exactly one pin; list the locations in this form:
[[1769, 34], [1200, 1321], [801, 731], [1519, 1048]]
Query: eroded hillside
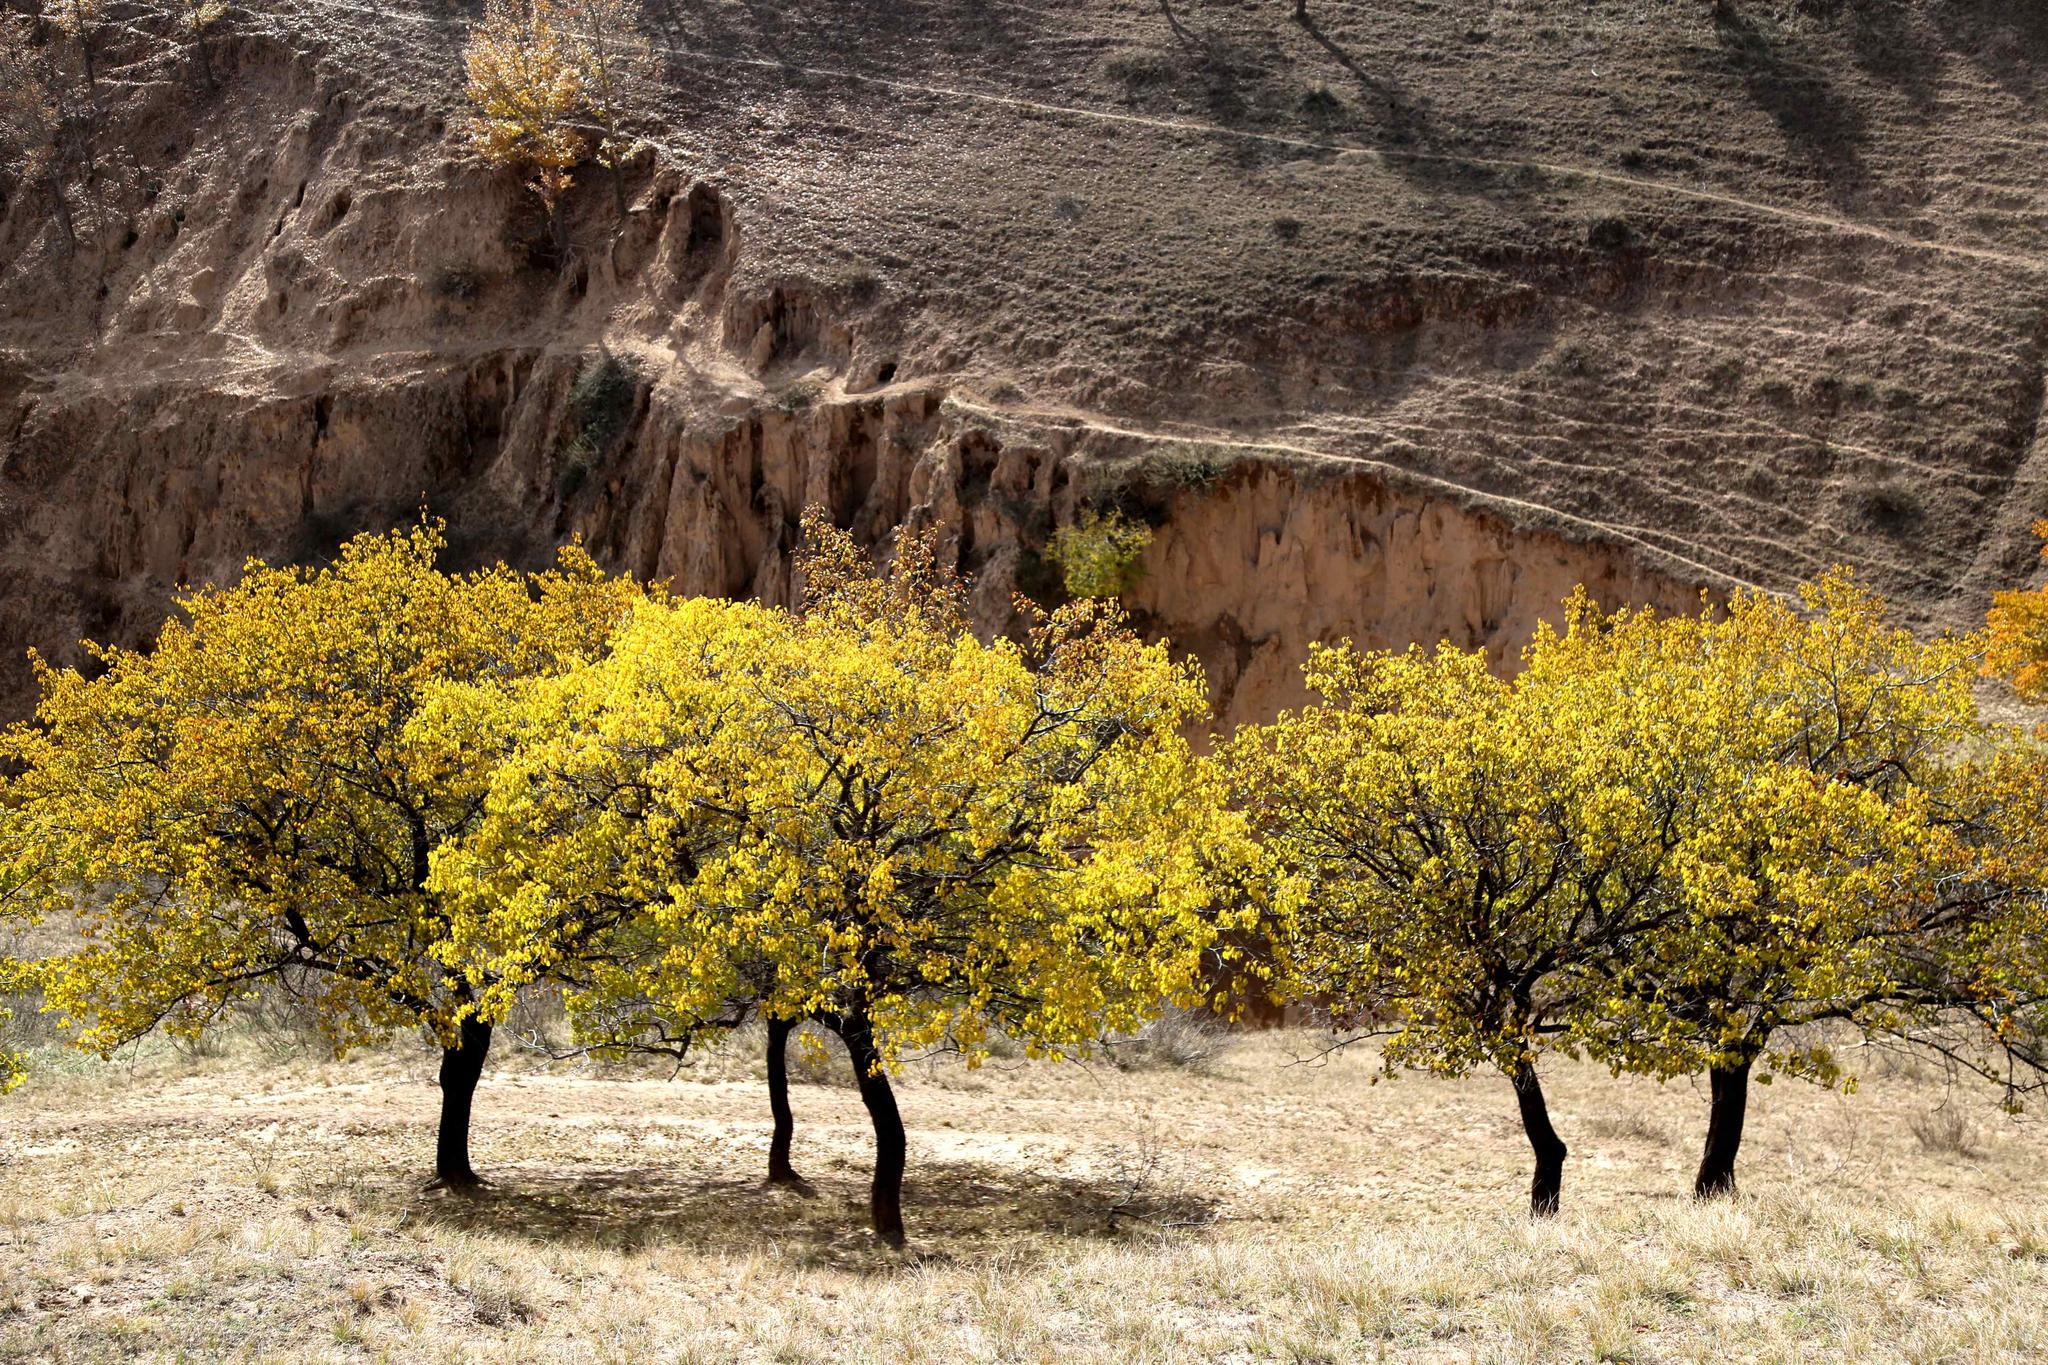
[[1399, 321]]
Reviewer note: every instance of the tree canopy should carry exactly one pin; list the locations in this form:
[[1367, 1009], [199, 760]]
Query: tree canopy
[[2018, 635], [244, 803], [614, 61], [551, 82], [1472, 852], [863, 815], [1668, 842], [1826, 869], [20, 878], [1721, 842], [526, 93]]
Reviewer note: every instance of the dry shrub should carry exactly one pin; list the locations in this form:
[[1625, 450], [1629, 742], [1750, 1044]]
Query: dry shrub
[[817, 1057], [1630, 1126], [1177, 1038], [283, 1018], [1149, 1183], [1947, 1132], [539, 1020], [23, 1026]]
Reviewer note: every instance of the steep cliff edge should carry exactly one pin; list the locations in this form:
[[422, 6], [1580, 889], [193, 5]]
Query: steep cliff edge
[[1398, 322]]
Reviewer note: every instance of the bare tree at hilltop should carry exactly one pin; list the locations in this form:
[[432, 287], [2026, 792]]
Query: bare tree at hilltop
[[81, 22], [526, 92], [616, 62], [199, 16], [33, 125]]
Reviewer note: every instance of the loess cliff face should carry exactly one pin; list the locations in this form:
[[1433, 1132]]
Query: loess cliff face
[[1397, 324]]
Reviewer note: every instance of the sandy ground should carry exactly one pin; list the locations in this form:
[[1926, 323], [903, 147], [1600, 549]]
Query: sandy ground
[[1255, 1207]]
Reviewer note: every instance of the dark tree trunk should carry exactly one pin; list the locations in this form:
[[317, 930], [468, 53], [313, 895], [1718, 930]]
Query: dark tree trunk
[[780, 1172], [205, 58], [618, 187], [557, 231], [462, 1066], [891, 1146], [65, 227], [1728, 1090], [1546, 1188]]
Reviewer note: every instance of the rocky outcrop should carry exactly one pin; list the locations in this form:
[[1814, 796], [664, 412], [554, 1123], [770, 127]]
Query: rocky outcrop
[[1373, 365], [1247, 566], [1249, 573]]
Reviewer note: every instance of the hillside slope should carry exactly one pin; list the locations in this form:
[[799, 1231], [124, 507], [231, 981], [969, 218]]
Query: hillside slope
[[1399, 321]]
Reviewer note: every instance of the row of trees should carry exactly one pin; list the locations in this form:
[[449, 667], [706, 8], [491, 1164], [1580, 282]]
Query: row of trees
[[1669, 843], [409, 794]]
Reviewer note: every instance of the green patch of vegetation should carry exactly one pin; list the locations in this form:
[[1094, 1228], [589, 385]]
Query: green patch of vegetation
[[799, 397], [1725, 374], [601, 402], [457, 284], [1320, 105], [1188, 464], [1140, 75], [1098, 555], [1041, 580], [1578, 361], [855, 284], [1891, 508]]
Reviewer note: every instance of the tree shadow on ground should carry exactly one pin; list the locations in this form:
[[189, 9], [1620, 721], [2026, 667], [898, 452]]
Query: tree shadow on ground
[[1823, 132], [891, 41], [1406, 116], [2007, 40], [1254, 85], [958, 1210], [1891, 46], [1237, 86]]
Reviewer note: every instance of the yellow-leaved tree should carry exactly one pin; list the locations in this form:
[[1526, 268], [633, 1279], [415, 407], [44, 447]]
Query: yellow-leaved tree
[[12, 1068], [2014, 787], [199, 17], [83, 23], [1831, 868], [2008, 1001], [605, 799], [1464, 853], [21, 878], [526, 93], [614, 63], [243, 803], [2017, 635], [1667, 842], [37, 125], [865, 817]]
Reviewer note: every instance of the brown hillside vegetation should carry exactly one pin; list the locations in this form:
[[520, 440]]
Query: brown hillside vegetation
[[1243, 1209], [1402, 317]]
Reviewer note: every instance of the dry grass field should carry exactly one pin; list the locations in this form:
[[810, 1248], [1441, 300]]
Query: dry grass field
[[1244, 1208]]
